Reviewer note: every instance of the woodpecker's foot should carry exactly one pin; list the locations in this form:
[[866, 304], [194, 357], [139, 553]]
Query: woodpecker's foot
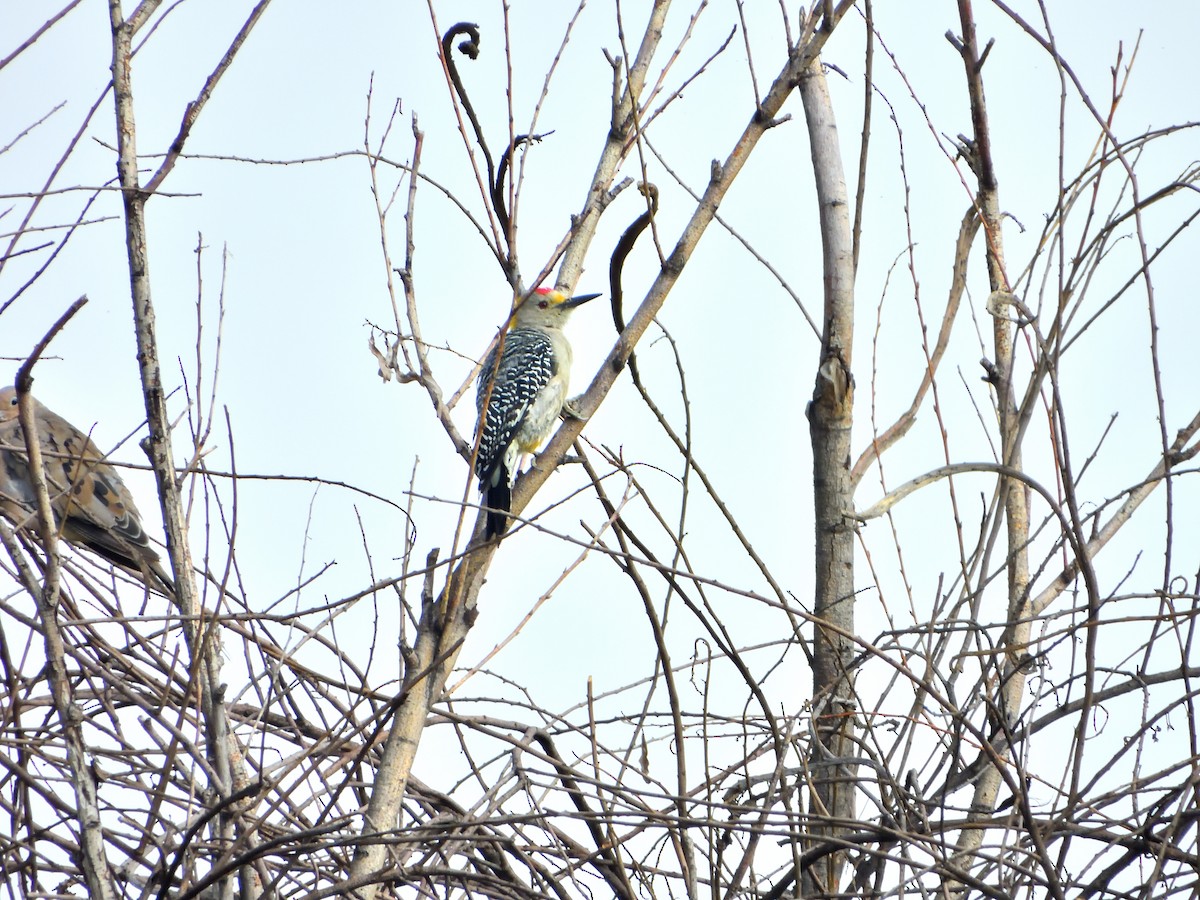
[[571, 409]]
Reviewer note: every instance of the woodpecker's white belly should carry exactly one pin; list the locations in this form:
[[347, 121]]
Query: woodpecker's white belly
[[542, 416]]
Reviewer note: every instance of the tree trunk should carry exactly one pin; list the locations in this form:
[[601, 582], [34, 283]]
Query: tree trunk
[[830, 416]]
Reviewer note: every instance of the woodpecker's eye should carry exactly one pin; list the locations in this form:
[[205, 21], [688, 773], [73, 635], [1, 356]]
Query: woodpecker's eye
[[542, 304]]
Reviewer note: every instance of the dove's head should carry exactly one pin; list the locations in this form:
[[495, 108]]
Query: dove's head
[[8, 405]]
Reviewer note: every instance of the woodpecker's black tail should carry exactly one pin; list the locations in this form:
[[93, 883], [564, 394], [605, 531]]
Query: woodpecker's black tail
[[499, 501], [497, 489]]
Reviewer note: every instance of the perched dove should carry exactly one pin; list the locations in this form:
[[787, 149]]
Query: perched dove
[[92, 507]]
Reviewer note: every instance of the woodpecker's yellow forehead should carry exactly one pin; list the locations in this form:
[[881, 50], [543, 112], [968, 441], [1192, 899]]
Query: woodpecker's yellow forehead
[[548, 296]]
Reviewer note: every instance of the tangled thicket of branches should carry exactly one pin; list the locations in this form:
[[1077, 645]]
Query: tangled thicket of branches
[[1026, 730]]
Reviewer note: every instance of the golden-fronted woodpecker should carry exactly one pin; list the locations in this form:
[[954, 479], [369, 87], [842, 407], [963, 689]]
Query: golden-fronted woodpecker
[[521, 394]]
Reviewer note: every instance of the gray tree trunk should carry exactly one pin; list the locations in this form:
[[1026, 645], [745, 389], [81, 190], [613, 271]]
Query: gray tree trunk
[[830, 416]]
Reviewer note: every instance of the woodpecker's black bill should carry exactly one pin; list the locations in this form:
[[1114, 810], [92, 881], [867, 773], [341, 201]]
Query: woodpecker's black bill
[[578, 301]]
